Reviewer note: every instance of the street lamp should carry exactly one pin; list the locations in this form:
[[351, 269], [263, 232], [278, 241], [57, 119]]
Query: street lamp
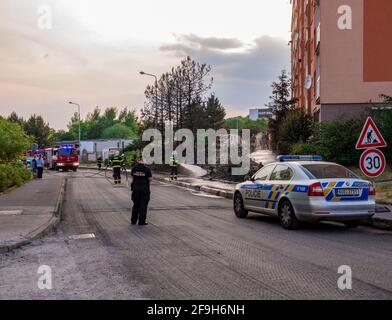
[[156, 93], [76, 104]]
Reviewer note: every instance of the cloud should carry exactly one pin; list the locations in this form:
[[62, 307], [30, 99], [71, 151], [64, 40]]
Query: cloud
[[199, 43], [243, 72]]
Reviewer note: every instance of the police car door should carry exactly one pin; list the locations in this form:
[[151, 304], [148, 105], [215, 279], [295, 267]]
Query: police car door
[[280, 178], [254, 196]]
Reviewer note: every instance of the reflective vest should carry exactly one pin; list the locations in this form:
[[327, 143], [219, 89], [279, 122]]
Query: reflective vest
[[116, 163], [173, 162]]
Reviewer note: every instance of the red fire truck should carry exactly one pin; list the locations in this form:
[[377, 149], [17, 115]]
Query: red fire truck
[[51, 158], [67, 157]]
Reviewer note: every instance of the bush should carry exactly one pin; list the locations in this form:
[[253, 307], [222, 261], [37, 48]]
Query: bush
[[336, 140], [13, 175], [303, 148], [297, 127], [13, 141]]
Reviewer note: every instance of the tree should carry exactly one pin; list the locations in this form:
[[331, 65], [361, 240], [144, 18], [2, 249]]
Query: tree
[[215, 113], [281, 103], [13, 141], [95, 125], [240, 123], [129, 119], [297, 127], [13, 117], [62, 135], [177, 96], [36, 127], [118, 131], [73, 127]]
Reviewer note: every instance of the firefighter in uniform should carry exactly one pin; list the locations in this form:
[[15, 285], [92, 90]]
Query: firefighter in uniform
[[116, 166], [99, 162], [123, 162], [173, 168], [141, 177]]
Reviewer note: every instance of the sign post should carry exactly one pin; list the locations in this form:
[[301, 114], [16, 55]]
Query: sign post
[[372, 161]]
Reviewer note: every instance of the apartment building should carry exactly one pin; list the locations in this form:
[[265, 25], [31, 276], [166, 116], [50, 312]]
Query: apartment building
[[341, 54]]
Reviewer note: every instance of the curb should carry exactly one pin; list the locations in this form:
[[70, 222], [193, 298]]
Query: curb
[[379, 223], [44, 229], [214, 191]]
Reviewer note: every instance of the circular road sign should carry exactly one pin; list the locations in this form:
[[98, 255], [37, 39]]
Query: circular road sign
[[372, 163]]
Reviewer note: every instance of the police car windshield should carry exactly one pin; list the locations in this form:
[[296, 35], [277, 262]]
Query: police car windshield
[[327, 171]]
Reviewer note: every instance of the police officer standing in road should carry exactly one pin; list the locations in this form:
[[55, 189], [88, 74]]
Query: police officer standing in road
[[141, 178], [116, 166]]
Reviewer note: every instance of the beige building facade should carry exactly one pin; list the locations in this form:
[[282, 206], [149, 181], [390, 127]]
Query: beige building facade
[[341, 55]]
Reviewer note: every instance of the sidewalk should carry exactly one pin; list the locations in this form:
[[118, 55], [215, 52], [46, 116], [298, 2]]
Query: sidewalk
[[30, 211]]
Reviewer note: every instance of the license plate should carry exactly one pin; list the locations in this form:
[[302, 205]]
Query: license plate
[[348, 192]]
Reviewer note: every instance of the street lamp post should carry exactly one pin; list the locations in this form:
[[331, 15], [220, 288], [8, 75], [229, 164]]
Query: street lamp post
[[76, 104], [156, 94]]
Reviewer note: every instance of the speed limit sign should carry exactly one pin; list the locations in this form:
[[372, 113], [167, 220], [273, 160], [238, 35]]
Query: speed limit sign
[[372, 163]]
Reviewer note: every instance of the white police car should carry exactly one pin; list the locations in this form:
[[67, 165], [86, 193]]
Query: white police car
[[305, 188]]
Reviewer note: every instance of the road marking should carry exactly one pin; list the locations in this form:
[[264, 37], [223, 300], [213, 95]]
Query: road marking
[[82, 236], [11, 212]]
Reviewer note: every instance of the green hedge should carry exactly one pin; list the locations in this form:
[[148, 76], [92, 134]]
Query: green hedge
[[13, 175]]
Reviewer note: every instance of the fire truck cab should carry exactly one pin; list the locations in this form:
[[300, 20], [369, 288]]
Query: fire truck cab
[[67, 157]]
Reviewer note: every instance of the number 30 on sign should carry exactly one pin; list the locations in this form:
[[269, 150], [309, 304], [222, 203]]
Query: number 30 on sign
[[372, 163]]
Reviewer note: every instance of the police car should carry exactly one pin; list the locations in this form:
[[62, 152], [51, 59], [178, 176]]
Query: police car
[[305, 188]]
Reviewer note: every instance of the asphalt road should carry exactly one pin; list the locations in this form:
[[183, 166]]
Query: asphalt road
[[193, 248]]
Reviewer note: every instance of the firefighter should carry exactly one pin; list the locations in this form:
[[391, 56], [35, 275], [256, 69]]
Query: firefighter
[[173, 168], [116, 166], [99, 162], [123, 162], [140, 186]]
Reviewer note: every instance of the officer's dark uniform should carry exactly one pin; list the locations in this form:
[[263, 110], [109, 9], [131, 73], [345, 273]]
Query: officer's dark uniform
[[140, 192], [116, 165]]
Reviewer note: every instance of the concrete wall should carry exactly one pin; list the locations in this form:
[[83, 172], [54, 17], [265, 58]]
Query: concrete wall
[[343, 111]]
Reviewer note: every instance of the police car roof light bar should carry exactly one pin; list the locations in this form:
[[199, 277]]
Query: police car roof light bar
[[284, 158]]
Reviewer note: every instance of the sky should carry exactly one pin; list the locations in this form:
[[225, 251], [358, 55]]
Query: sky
[[91, 52]]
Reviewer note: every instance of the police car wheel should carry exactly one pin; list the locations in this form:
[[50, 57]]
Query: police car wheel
[[239, 209], [287, 217]]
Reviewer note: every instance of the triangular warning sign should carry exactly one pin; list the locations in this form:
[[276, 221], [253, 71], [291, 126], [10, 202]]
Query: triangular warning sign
[[370, 136]]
